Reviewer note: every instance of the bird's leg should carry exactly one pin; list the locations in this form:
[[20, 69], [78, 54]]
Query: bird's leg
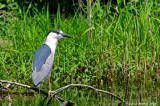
[[49, 86], [39, 90]]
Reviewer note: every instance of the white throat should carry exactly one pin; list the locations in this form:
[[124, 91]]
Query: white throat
[[51, 42]]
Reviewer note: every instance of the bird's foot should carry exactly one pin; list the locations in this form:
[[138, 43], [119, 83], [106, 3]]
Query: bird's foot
[[50, 93]]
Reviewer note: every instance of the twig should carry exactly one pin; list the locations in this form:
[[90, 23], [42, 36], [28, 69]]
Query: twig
[[37, 90], [53, 93], [95, 89]]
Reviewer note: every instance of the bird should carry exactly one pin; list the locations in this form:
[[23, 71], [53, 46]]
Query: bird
[[43, 57]]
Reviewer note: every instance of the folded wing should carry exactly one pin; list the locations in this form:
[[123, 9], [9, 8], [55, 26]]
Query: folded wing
[[41, 64]]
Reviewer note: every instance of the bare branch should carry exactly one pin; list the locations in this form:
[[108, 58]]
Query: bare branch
[[53, 93], [37, 90], [95, 89]]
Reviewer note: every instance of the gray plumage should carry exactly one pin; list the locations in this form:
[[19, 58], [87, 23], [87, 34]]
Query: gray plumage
[[44, 56], [42, 64]]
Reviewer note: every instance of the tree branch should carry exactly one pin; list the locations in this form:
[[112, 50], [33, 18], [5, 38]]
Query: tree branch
[[95, 89], [53, 93], [37, 90]]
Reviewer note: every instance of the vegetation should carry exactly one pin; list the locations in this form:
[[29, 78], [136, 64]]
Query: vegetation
[[113, 45]]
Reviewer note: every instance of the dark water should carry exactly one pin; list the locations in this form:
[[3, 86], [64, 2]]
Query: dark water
[[87, 97]]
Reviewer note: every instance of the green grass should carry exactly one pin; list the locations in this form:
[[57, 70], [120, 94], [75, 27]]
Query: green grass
[[122, 51]]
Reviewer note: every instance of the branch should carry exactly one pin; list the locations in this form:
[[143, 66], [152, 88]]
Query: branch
[[53, 93], [37, 90], [95, 89]]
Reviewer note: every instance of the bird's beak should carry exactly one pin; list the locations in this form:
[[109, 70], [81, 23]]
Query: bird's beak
[[65, 35]]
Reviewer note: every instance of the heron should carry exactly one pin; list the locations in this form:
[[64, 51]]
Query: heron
[[43, 57]]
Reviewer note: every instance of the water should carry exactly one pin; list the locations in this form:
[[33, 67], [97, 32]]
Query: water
[[86, 97]]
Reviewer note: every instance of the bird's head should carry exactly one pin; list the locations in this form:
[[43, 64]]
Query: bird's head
[[57, 34]]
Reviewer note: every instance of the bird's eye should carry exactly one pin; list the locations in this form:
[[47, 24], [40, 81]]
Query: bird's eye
[[57, 32]]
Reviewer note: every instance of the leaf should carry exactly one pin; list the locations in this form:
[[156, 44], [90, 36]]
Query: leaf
[[2, 5]]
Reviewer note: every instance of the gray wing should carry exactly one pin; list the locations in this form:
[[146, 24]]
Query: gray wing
[[41, 64]]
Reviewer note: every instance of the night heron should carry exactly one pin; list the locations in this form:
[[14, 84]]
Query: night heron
[[44, 56]]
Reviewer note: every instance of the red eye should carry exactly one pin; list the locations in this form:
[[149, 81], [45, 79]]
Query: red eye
[[57, 32]]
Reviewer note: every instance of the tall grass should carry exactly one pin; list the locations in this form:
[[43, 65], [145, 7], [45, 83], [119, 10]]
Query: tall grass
[[124, 49]]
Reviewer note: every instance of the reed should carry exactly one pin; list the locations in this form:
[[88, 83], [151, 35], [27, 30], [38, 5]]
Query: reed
[[124, 49]]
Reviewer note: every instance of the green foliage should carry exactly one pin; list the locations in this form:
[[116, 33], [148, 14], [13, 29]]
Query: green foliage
[[124, 48], [115, 38]]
